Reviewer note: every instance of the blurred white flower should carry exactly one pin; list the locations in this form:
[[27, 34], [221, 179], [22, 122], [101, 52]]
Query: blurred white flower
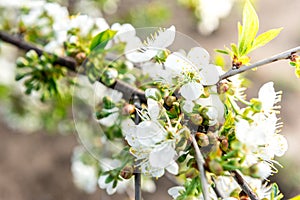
[[211, 11], [84, 176]]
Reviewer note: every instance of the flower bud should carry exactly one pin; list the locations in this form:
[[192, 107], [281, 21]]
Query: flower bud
[[22, 62], [127, 172], [196, 119], [215, 167], [202, 139], [169, 100], [108, 103], [80, 57], [109, 76], [102, 114], [243, 196], [224, 144], [223, 87], [128, 109], [191, 173], [212, 138]]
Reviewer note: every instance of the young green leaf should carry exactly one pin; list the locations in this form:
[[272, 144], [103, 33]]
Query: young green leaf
[[101, 40], [234, 49], [249, 29], [265, 38], [222, 51]]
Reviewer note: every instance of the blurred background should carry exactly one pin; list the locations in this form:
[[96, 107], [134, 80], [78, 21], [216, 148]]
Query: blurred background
[[35, 158]]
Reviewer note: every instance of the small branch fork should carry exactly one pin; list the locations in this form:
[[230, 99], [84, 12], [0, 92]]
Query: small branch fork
[[129, 91]]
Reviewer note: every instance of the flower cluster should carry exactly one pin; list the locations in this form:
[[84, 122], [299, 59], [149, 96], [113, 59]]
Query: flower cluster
[[188, 113]]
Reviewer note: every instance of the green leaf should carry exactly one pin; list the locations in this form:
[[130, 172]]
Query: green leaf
[[234, 49], [249, 29], [221, 51], [101, 40], [109, 179], [240, 28], [265, 38]]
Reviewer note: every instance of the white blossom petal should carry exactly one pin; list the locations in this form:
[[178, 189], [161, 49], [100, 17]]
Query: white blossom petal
[[209, 74], [173, 168], [153, 108], [191, 91], [161, 156], [199, 57], [188, 106], [163, 39]]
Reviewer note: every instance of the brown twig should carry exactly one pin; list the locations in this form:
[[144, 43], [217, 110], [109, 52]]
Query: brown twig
[[244, 185], [200, 162], [129, 91], [71, 64], [281, 56]]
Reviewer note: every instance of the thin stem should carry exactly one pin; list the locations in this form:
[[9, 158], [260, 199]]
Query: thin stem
[[244, 185], [281, 56], [137, 186], [200, 163], [137, 174]]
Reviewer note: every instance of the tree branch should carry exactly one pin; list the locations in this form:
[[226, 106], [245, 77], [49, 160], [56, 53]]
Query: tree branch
[[281, 56], [200, 163], [129, 91], [70, 63], [244, 185]]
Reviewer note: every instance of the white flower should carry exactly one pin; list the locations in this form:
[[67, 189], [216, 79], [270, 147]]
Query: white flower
[[137, 52], [149, 143], [149, 133], [84, 176], [162, 155], [258, 132], [268, 97], [211, 11], [120, 188], [226, 185], [196, 62], [263, 170], [125, 32]]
